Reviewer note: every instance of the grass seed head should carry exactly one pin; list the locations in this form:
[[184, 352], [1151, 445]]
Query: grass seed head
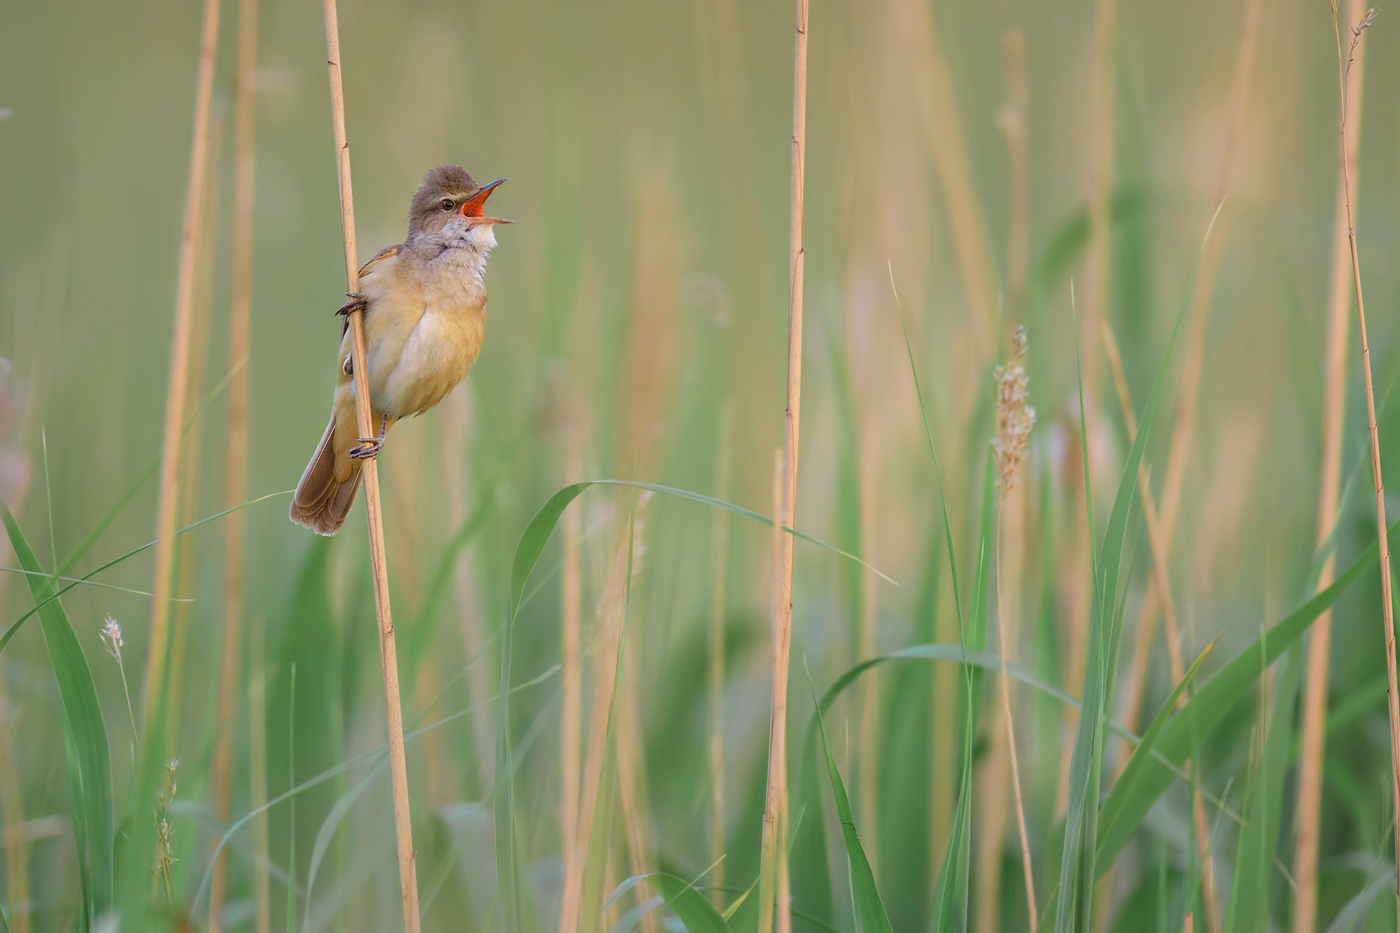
[[1015, 417]]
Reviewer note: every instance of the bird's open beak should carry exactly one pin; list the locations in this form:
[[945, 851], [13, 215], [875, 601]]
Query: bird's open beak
[[475, 209]]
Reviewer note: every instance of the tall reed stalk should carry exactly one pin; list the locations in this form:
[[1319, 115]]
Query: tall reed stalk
[[240, 314], [571, 658], [775, 797], [1344, 63], [190, 472], [257, 776], [388, 655], [1307, 816], [456, 424], [716, 666], [167, 502], [14, 838]]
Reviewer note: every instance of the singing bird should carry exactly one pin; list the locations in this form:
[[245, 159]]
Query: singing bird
[[424, 304]]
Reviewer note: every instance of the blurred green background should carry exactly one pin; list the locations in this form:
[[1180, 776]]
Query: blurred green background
[[641, 294]]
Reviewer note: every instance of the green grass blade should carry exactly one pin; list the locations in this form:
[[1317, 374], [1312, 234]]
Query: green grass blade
[[694, 908], [41, 604], [1126, 805], [870, 910], [1078, 859], [1254, 857], [83, 727]]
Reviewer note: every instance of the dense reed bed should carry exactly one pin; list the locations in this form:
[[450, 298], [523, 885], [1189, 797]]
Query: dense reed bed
[[1077, 628]]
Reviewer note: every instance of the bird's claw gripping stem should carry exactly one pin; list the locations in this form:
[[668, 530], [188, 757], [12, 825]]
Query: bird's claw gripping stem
[[370, 446], [357, 302]]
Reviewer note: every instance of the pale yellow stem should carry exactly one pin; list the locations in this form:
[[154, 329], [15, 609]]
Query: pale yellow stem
[[388, 654]]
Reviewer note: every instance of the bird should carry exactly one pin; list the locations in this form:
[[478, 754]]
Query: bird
[[424, 312]]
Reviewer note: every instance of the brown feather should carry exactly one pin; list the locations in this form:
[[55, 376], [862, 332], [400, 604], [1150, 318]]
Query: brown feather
[[322, 502]]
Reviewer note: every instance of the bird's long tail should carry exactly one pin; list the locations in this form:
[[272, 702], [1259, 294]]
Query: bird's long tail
[[321, 501]]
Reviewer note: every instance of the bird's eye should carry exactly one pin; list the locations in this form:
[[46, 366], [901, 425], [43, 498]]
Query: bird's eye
[[446, 204]]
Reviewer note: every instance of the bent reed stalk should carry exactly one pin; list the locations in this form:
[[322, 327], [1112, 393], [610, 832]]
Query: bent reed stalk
[[771, 878], [388, 654]]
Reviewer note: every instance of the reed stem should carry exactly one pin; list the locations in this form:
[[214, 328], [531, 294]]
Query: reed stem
[[716, 665], [1307, 816], [1387, 606], [388, 655], [571, 652], [167, 502], [775, 796]]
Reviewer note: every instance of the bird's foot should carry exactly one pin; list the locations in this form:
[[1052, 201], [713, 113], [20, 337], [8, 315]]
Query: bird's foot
[[367, 447], [357, 302]]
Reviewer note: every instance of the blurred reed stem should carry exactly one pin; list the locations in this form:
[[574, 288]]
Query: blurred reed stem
[[1161, 589], [388, 655], [1307, 816], [941, 120], [570, 637], [772, 867], [236, 425], [716, 659], [15, 838], [870, 719], [257, 775], [190, 463], [1387, 606], [1101, 178], [1013, 119], [456, 428], [167, 502]]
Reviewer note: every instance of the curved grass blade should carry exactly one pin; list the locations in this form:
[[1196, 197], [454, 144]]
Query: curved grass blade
[[1126, 805], [51, 596], [527, 554], [870, 910], [694, 909], [85, 735], [1078, 858]]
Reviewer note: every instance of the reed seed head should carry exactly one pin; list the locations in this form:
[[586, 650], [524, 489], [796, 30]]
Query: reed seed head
[[112, 637], [1015, 418]]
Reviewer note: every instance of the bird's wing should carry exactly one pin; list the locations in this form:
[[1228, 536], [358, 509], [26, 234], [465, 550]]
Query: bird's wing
[[368, 269], [385, 253]]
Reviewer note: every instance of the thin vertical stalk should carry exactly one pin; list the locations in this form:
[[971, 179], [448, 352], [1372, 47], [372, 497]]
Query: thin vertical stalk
[[1005, 642], [14, 839], [388, 655], [1101, 174], [1387, 606], [189, 473], [456, 420], [775, 796], [1013, 119], [572, 661], [236, 428], [167, 502], [869, 735], [1160, 591], [1308, 814], [257, 776], [716, 665]]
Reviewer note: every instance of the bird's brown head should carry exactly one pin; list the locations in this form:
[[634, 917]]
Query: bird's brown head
[[450, 211]]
